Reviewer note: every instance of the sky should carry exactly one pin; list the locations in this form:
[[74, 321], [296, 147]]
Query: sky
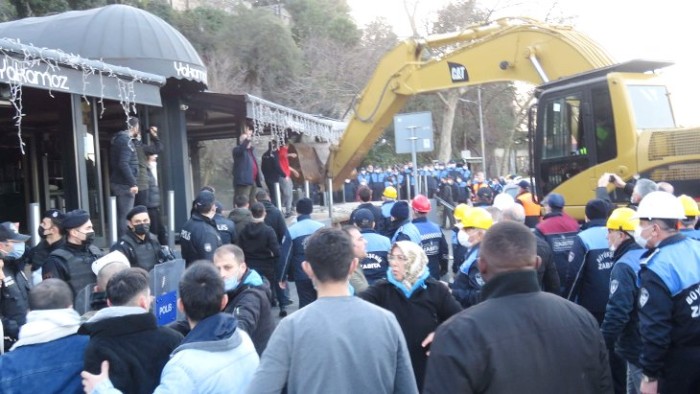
[[626, 29]]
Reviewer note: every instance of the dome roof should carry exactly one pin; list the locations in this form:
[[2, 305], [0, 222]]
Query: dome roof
[[117, 34]]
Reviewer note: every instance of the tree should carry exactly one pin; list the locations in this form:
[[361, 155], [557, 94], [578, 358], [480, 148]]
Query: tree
[[323, 19]]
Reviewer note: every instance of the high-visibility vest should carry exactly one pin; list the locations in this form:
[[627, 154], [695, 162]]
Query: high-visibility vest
[[531, 208]]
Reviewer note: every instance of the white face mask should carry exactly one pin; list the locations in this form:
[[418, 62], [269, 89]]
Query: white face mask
[[638, 238], [463, 239]]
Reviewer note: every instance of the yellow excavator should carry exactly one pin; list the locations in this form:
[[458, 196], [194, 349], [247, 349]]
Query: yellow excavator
[[592, 116]]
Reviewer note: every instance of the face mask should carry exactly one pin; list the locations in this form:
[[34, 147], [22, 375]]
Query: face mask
[[17, 250], [40, 232], [463, 239], [89, 238], [641, 241], [231, 283], [142, 229]]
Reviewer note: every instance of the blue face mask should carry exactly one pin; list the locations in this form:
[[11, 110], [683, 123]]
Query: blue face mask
[[231, 283], [17, 250]]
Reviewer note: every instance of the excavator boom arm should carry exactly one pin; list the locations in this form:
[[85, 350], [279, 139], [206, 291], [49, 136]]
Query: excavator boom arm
[[509, 49]]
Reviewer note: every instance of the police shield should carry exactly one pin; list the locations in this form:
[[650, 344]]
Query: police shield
[[164, 283], [82, 300]]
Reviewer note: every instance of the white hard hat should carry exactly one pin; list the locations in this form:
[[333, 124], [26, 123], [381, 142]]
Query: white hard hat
[[660, 205], [109, 258], [503, 201]]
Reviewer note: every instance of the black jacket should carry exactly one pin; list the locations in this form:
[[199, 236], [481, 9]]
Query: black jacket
[[123, 160], [274, 219], [226, 229], [418, 315], [260, 246], [547, 274], [14, 301], [270, 165], [250, 302], [142, 150], [136, 348], [144, 253], [199, 238], [37, 255], [519, 340], [379, 222], [240, 217]]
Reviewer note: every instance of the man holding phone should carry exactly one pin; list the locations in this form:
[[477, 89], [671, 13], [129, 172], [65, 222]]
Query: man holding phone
[[246, 172]]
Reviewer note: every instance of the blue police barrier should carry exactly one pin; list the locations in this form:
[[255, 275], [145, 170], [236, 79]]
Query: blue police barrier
[[164, 284], [82, 300]]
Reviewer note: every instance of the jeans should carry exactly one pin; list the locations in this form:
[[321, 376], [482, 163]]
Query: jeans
[[125, 202], [634, 378], [286, 189], [306, 292]]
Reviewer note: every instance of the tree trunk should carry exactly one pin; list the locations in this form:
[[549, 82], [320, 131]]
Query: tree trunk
[[450, 100]]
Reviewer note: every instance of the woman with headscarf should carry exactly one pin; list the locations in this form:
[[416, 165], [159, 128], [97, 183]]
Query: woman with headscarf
[[419, 302]]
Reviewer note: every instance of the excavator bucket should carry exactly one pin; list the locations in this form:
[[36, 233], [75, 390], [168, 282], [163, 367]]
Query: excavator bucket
[[310, 159]]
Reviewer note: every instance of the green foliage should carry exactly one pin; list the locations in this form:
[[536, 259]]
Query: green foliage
[[202, 26], [323, 18]]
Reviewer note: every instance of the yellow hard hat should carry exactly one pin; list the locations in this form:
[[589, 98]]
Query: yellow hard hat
[[390, 192], [690, 207], [460, 211], [477, 218], [622, 219]]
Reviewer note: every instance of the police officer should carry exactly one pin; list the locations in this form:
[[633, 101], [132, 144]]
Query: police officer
[[51, 238], [199, 237], [690, 208], [433, 240], [139, 245], [401, 221], [375, 263], [468, 282], [72, 261], [620, 326], [14, 286], [224, 225], [669, 298], [588, 276]]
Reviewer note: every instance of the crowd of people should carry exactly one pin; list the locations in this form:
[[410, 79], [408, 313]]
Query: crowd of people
[[517, 297]]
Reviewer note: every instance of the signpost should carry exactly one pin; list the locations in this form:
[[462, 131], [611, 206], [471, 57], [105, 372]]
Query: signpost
[[413, 133]]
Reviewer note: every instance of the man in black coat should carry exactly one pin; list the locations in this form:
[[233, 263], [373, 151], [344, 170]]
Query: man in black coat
[[14, 287], [518, 339], [127, 336], [248, 293], [124, 164], [140, 247], [271, 168], [51, 238], [273, 216], [247, 176]]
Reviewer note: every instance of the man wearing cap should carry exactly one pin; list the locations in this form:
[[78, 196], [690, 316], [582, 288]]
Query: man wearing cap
[[139, 245], [105, 268], [199, 237], [484, 197], [124, 164], [292, 253], [71, 261], [669, 298], [559, 230], [401, 221], [588, 276], [51, 238], [375, 263], [14, 286], [433, 240], [365, 194], [532, 209]]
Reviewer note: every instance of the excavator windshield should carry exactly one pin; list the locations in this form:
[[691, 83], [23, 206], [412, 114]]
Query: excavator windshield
[[651, 107]]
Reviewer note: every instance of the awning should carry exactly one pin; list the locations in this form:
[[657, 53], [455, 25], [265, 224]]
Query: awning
[[25, 65], [117, 34]]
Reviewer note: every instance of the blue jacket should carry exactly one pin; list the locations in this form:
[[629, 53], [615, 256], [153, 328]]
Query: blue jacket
[[243, 164], [407, 231], [123, 160], [669, 301], [620, 326], [468, 282], [226, 229], [590, 262], [50, 367], [374, 266], [458, 251], [434, 245], [292, 253], [214, 357], [691, 233]]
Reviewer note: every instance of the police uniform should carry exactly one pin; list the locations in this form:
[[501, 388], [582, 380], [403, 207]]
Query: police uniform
[[144, 253], [292, 255], [199, 238], [375, 264], [435, 246], [72, 263], [468, 283], [590, 262], [669, 314], [226, 229]]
